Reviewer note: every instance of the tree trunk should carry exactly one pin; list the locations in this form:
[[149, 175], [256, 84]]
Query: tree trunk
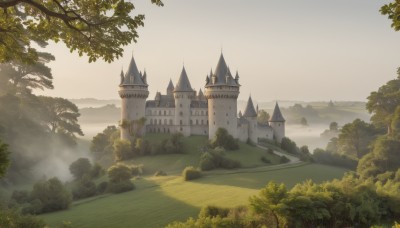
[[276, 219]]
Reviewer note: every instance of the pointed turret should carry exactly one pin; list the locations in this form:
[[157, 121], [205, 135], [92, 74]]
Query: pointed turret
[[277, 115], [221, 70], [122, 77], [201, 96], [144, 77], [133, 76], [183, 84], [237, 77], [250, 111], [170, 88]]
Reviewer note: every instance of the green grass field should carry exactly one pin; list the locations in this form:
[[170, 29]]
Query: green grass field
[[158, 201], [249, 156]]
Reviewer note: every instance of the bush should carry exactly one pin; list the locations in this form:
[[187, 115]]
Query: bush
[[190, 173], [289, 146], [13, 219], [102, 187], [265, 160], [84, 188], [33, 208], [224, 139], [270, 151], [80, 167], [52, 194], [207, 161], [160, 173], [97, 171], [119, 173], [20, 196], [284, 159], [172, 145], [119, 187], [213, 211], [216, 159], [227, 163], [122, 150], [329, 158]]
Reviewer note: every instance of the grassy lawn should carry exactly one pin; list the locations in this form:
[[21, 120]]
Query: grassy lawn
[[249, 156], [159, 200]]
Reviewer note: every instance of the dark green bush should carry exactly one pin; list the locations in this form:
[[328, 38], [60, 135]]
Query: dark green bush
[[102, 187], [213, 211], [216, 159], [224, 139], [190, 173], [270, 151], [20, 196], [80, 167], [119, 187], [33, 208], [119, 172], [97, 171], [207, 161], [13, 219], [84, 188], [265, 160], [284, 159]]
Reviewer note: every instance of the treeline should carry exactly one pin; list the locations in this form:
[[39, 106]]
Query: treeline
[[34, 127]]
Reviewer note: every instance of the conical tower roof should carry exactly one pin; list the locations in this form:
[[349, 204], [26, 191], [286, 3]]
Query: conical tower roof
[[132, 76], [250, 111], [183, 84], [222, 74], [277, 115], [170, 86], [201, 95]]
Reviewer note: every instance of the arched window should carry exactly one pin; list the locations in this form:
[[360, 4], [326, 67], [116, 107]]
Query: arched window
[[170, 122]]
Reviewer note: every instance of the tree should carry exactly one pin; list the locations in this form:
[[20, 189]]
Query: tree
[[122, 149], [52, 195], [80, 167], [392, 10], [119, 173], [333, 126], [355, 138], [263, 117], [4, 160], [383, 103], [223, 139], [97, 28], [61, 115], [270, 200], [20, 77], [102, 141]]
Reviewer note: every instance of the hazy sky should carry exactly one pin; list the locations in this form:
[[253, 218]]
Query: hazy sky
[[284, 50]]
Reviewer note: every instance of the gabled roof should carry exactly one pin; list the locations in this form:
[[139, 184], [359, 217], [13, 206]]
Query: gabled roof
[[250, 111], [132, 76], [183, 84], [277, 115]]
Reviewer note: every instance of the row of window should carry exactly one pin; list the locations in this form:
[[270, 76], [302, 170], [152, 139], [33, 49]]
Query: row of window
[[170, 112], [170, 122]]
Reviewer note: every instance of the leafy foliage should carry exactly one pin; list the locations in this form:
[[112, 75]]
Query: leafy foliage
[[119, 176], [122, 150], [392, 10], [331, 158], [4, 160], [95, 28], [80, 167], [13, 219], [223, 139], [215, 158], [190, 173], [263, 117]]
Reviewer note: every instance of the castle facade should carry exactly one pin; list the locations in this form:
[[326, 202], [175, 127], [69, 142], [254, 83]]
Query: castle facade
[[183, 109]]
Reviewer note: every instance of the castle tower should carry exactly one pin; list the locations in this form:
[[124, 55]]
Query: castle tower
[[133, 92], [277, 122], [222, 91], [251, 115], [170, 88], [183, 94]]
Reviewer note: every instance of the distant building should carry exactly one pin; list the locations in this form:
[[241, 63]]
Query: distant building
[[182, 109]]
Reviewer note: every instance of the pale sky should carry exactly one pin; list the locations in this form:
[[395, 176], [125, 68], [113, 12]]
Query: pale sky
[[309, 50]]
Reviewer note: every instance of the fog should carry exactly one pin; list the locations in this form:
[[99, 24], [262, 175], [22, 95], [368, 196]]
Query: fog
[[307, 135]]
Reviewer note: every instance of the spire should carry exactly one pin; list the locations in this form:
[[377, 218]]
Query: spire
[[237, 77], [133, 76], [122, 77], [221, 70], [201, 95], [207, 80], [277, 115], [144, 77], [183, 84], [250, 111]]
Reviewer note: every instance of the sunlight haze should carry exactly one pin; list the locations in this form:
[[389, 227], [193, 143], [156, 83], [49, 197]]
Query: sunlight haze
[[284, 50]]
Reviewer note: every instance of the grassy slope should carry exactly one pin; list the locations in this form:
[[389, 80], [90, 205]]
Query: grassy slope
[[249, 156], [160, 200]]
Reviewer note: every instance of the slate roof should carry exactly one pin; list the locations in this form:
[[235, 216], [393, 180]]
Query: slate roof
[[250, 111], [183, 84], [222, 75], [277, 115], [132, 76]]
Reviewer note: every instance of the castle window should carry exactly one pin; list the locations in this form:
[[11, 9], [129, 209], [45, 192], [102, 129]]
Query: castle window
[[159, 112], [180, 122], [202, 122], [170, 122], [279, 125], [180, 105], [181, 128], [214, 122], [165, 121], [159, 122], [151, 121], [165, 112], [191, 122], [214, 113], [227, 122], [181, 113], [226, 114], [197, 122], [158, 130], [168, 130]]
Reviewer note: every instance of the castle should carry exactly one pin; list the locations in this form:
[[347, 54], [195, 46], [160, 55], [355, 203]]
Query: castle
[[184, 110]]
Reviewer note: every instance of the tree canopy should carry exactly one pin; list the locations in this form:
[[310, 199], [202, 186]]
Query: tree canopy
[[392, 10], [97, 28]]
